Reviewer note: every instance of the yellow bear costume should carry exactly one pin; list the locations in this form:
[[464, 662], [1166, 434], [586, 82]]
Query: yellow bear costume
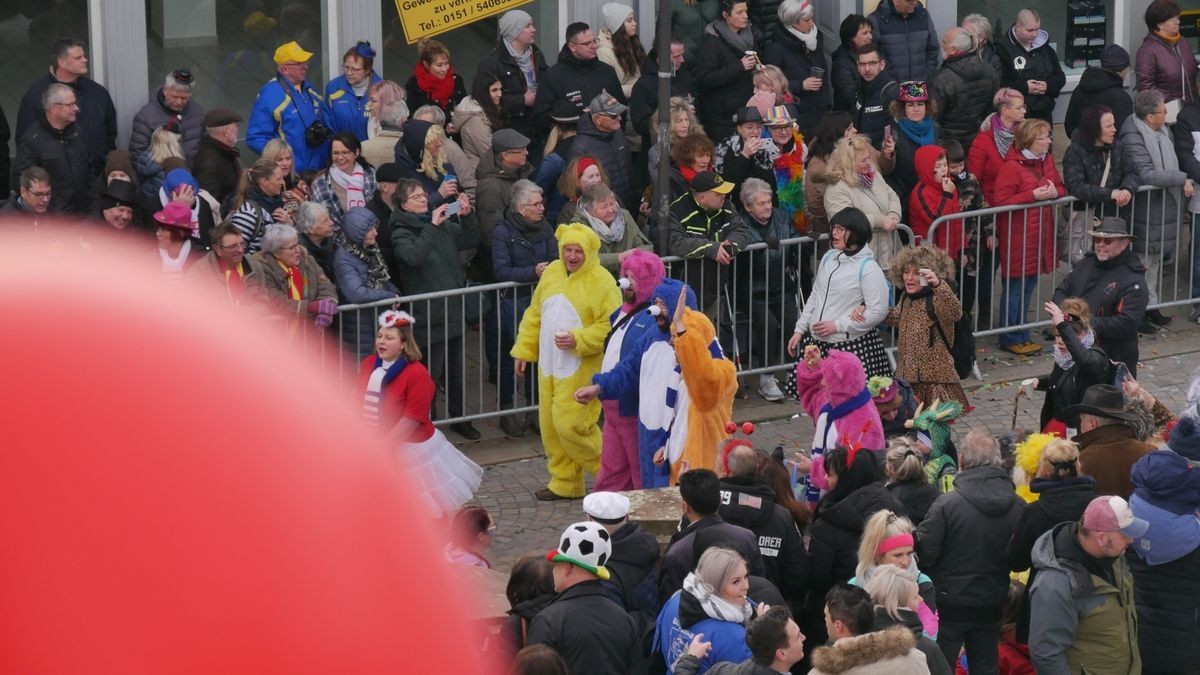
[[711, 382], [580, 303]]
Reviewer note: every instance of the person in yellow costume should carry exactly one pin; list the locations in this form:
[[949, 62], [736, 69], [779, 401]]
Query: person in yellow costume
[[709, 385], [564, 331]]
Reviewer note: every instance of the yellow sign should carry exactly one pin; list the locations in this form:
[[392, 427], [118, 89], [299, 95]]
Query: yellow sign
[[425, 18]]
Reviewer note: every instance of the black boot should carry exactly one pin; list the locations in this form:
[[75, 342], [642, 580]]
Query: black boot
[[1158, 318]]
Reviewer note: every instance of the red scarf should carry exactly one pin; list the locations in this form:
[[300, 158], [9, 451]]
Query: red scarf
[[688, 173], [235, 286], [438, 90]]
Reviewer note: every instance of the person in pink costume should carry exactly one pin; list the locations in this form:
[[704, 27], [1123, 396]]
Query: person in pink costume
[[641, 272], [833, 391]]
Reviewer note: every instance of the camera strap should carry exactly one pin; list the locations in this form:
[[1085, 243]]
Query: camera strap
[[288, 93]]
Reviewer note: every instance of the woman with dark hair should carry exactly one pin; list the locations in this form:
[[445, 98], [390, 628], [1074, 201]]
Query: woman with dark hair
[[1165, 60], [472, 531], [538, 660], [847, 277], [724, 68], [478, 116], [1079, 363], [913, 126], [619, 46], [833, 127], [347, 94], [689, 156], [530, 588], [855, 32], [776, 475], [434, 81], [1093, 173], [1063, 494], [348, 182], [855, 494]]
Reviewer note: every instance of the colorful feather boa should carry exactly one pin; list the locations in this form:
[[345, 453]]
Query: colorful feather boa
[[789, 183]]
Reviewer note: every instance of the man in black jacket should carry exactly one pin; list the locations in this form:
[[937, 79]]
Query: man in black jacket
[[1103, 85], [749, 502], [578, 76], [590, 631], [1112, 279], [97, 117], [600, 136], [56, 145], [643, 102], [961, 546], [708, 233], [1031, 66], [877, 87], [962, 88], [218, 164], [519, 65], [634, 553], [701, 493]]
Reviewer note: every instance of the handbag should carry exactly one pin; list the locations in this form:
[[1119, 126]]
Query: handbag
[[1074, 240]]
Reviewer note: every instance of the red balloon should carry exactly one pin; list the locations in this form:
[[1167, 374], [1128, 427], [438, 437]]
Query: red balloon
[[180, 492], [731, 427], [747, 428]]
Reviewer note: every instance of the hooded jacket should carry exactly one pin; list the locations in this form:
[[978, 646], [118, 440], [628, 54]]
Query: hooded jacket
[[961, 544], [682, 618], [681, 556], [500, 63], [156, 114], [1039, 62], [1166, 562], [794, 58], [493, 192], [611, 150], [887, 652], [1065, 388], [722, 84], [352, 272], [928, 202], [1115, 290], [1170, 69], [1098, 86], [912, 621], [843, 282], [1080, 622], [589, 630], [962, 89], [909, 43], [750, 503], [1027, 237], [576, 80], [916, 496]]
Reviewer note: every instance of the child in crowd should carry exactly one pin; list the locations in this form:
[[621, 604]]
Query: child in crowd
[[979, 244], [934, 196]]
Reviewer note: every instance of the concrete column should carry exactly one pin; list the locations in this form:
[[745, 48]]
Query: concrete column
[[117, 49], [347, 22]]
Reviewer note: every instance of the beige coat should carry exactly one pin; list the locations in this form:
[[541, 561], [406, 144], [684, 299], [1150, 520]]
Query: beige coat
[[886, 652], [207, 270], [604, 52], [876, 202], [474, 130], [317, 286], [381, 149]]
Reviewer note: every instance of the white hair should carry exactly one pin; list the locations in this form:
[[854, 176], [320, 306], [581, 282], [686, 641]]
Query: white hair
[[792, 11], [431, 113], [308, 214], [753, 186], [171, 83], [393, 114], [277, 236], [962, 40], [523, 192], [979, 25]]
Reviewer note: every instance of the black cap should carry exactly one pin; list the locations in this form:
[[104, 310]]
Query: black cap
[[118, 193], [388, 173], [711, 181], [747, 114]]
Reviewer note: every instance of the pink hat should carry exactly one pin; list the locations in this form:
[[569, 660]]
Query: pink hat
[[175, 215], [1112, 514]]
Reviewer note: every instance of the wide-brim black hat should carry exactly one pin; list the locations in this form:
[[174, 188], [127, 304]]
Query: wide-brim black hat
[[1111, 227], [1102, 400]]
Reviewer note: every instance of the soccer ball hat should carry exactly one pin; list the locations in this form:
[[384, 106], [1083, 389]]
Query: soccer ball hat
[[584, 545]]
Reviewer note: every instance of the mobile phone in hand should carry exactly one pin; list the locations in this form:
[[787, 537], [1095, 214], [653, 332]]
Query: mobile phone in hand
[[887, 134], [454, 208]]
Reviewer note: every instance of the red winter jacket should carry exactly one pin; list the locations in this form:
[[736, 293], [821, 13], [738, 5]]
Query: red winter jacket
[[1027, 235], [409, 395], [928, 202], [984, 160]]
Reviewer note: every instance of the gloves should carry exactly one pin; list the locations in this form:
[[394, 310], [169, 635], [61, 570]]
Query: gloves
[[322, 306], [323, 320], [773, 243]]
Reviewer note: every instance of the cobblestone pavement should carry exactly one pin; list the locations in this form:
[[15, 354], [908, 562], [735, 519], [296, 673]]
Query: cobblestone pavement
[[526, 525]]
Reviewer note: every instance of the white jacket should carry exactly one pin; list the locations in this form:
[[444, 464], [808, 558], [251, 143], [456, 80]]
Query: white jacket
[[842, 283]]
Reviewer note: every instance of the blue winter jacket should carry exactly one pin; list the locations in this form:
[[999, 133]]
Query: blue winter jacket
[[347, 112], [358, 327], [278, 115], [910, 43], [516, 252], [672, 637]]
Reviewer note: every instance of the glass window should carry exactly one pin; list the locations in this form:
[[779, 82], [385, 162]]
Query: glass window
[[1078, 29], [229, 45]]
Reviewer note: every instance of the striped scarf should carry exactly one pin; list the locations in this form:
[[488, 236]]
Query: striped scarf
[[381, 377]]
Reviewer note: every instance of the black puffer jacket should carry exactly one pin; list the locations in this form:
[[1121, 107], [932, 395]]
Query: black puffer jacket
[[512, 100], [764, 14], [1039, 63], [1115, 290], [643, 101], [916, 496], [909, 43], [1098, 86], [611, 149], [870, 110], [589, 630], [751, 504], [1059, 501], [633, 559], [962, 89], [1083, 167], [575, 80], [1185, 142], [795, 60], [723, 85], [844, 77], [961, 544], [63, 153], [1168, 620], [1064, 388]]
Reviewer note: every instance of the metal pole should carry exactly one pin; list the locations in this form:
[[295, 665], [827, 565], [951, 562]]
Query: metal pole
[[663, 180]]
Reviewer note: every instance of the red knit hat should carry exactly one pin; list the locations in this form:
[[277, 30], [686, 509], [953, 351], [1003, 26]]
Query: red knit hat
[[584, 163]]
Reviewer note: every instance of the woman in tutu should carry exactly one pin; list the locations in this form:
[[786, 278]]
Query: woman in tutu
[[398, 392]]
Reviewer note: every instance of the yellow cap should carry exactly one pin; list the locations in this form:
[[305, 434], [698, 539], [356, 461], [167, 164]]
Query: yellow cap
[[291, 52]]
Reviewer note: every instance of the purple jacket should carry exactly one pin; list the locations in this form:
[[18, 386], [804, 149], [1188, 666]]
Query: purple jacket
[[1170, 69]]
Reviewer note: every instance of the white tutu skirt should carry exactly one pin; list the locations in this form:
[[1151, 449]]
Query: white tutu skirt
[[445, 478]]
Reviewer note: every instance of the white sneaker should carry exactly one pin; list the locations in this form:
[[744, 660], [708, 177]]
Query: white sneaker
[[768, 388]]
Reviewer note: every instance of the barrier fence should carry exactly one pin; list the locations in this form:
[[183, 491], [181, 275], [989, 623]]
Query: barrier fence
[[466, 333]]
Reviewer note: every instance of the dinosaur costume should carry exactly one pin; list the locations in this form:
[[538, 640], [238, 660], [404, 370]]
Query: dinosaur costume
[[942, 464], [579, 303], [621, 467]]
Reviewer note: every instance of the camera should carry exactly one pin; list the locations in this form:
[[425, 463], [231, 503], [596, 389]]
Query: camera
[[317, 133]]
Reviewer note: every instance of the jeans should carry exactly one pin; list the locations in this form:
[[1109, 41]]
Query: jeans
[[1014, 304], [982, 639]]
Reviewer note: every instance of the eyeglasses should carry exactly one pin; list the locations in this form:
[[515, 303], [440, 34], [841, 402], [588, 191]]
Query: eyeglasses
[[537, 205], [40, 194], [347, 68], [238, 244], [419, 196], [869, 64], [593, 43], [72, 104]]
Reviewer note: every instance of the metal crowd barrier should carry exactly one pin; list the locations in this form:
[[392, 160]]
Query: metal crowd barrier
[[754, 308], [1162, 244]]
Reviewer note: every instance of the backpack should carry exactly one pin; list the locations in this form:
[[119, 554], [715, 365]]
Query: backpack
[[962, 350]]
